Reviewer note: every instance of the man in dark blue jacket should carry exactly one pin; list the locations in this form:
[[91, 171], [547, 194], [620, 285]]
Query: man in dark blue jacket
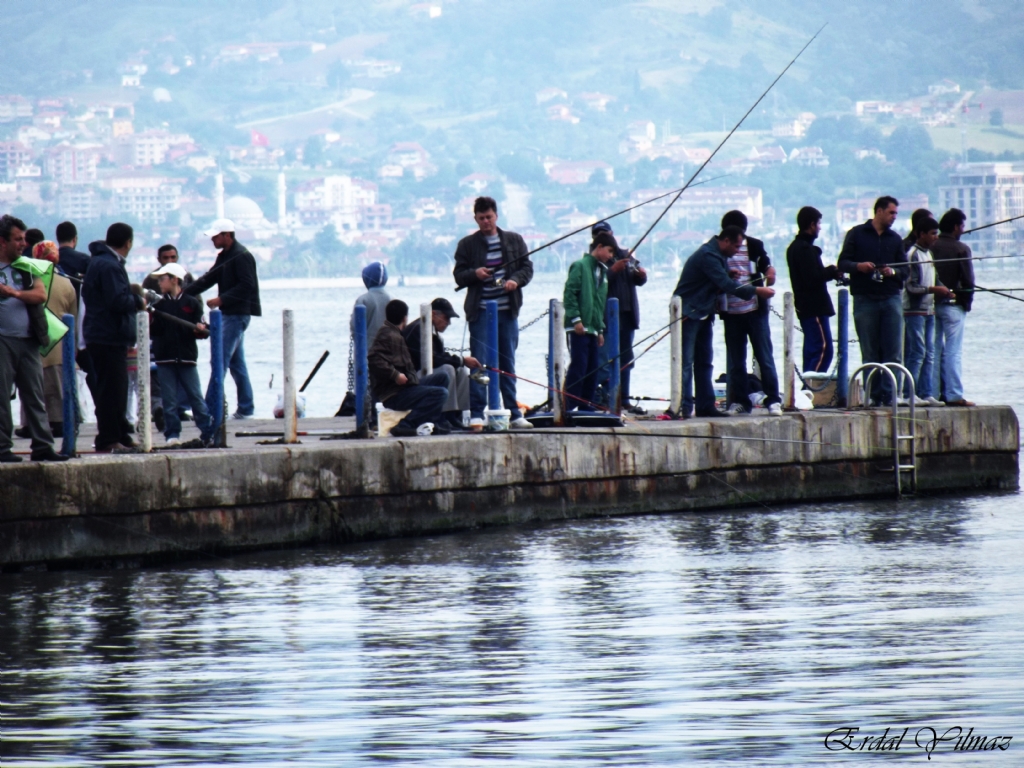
[[109, 329], [705, 275], [238, 299], [876, 261]]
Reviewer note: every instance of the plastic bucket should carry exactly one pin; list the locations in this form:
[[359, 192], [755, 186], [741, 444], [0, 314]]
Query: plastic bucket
[[497, 421]]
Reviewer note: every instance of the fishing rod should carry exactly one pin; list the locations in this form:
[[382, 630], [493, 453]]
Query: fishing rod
[[967, 258], [998, 293], [722, 144], [316, 368], [993, 224], [515, 262]]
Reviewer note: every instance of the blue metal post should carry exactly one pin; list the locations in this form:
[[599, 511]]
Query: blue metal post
[[69, 385], [494, 388], [843, 344], [611, 342], [362, 371], [552, 330], [215, 396]]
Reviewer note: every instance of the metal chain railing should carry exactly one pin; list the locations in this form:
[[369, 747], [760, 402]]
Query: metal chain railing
[[783, 319], [541, 316]]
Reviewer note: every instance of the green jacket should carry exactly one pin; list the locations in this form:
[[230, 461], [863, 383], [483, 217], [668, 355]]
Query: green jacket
[[585, 296]]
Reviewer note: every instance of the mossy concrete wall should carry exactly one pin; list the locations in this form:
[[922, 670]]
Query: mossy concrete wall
[[137, 508]]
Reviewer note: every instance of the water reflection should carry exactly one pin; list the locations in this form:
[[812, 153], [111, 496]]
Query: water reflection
[[737, 636]]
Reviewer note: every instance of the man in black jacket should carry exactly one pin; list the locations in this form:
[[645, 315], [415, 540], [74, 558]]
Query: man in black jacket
[[955, 269], [109, 329], [72, 262], [395, 383], [874, 257], [493, 265], [455, 366], [624, 275], [810, 280], [234, 274], [22, 331], [175, 353]]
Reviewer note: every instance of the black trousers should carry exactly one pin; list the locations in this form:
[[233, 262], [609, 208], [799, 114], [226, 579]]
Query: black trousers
[[110, 366]]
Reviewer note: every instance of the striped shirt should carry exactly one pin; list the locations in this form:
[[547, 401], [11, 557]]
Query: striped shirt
[[740, 263], [494, 262]]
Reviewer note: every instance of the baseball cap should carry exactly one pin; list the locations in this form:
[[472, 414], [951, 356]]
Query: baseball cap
[[601, 226], [175, 270], [444, 306], [220, 225]]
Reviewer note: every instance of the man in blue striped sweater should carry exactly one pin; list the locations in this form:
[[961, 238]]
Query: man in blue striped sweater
[[493, 265]]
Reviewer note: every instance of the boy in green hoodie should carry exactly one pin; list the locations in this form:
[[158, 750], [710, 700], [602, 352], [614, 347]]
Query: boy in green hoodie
[[586, 291]]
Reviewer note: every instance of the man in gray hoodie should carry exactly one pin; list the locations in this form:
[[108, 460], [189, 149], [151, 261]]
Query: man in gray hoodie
[[375, 277]]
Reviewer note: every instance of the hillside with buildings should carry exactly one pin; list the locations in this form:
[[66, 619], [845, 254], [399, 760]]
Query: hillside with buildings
[[333, 137]]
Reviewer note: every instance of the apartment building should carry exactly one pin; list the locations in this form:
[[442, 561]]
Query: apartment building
[[988, 192]]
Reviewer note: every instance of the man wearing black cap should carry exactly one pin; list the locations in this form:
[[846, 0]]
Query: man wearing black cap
[[624, 275], [457, 368]]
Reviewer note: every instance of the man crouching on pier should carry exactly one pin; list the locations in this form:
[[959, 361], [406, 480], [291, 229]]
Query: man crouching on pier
[[393, 379]]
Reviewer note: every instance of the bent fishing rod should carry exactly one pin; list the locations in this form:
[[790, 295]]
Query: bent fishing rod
[[993, 224], [516, 261], [722, 144]]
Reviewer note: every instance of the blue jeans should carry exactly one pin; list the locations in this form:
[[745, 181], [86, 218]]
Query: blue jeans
[[879, 324], [184, 377], [698, 365], [737, 329], [425, 400], [919, 353], [581, 378], [950, 320], [234, 360], [818, 347], [508, 342]]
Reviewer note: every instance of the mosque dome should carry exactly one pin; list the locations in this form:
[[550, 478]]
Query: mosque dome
[[245, 212]]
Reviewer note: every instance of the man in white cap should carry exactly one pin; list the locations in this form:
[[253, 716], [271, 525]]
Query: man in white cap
[[238, 299]]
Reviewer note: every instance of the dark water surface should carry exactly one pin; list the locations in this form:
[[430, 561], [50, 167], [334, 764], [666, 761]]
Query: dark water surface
[[735, 637]]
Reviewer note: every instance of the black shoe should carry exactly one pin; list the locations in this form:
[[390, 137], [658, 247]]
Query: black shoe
[[48, 454], [9, 458], [399, 431], [22, 432], [636, 410], [57, 428], [441, 428], [714, 413]]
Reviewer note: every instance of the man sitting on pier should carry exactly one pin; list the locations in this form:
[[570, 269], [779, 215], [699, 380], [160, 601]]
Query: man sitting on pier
[[457, 367], [705, 275], [394, 382]]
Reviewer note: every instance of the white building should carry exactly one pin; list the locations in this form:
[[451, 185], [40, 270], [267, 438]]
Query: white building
[[988, 192], [149, 199], [697, 202], [69, 164], [334, 199], [80, 202]]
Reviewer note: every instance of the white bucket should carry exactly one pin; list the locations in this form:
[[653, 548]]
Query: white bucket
[[497, 421], [300, 406]]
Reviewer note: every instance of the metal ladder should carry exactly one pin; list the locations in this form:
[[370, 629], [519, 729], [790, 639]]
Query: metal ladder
[[899, 469]]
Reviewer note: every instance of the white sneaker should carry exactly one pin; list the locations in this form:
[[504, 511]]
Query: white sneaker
[[920, 401], [171, 441], [934, 403], [902, 401], [242, 416], [476, 424], [520, 423], [735, 409], [775, 409]]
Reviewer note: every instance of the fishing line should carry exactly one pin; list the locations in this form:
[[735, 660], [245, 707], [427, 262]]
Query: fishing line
[[722, 144]]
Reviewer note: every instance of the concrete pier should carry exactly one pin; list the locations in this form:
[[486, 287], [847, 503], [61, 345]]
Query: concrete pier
[[135, 509]]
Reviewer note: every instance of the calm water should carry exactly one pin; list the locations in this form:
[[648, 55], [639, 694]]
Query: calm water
[[741, 638]]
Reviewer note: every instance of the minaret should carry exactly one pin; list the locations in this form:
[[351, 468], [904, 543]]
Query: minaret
[[281, 205], [218, 195]]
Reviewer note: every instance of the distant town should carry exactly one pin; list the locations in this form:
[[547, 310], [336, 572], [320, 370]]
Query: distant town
[[90, 162]]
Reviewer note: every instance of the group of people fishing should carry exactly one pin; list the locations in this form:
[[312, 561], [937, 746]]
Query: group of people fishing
[[910, 300]]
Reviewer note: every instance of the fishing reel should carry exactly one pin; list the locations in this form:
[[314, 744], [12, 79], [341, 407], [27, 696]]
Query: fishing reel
[[498, 282], [633, 267], [842, 280], [480, 376], [152, 297], [877, 276]]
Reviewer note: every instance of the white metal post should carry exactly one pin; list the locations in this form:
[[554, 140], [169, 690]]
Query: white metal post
[[288, 332], [558, 364], [144, 427], [675, 316], [426, 340], [789, 351]]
